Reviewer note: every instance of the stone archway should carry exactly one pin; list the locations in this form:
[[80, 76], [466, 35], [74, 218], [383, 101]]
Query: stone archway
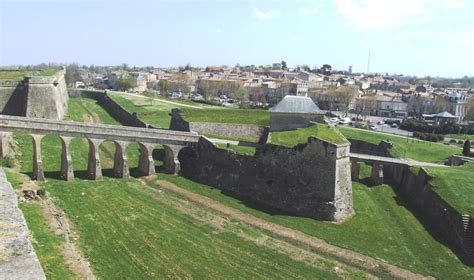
[[171, 162]]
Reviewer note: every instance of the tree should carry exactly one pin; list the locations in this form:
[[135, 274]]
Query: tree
[[470, 110], [420, 89], [466, 149], [72, 74], [326, 69], [126, 83], [243, 98], [341, 98], [283, 65], [163, 86], [440, 105]]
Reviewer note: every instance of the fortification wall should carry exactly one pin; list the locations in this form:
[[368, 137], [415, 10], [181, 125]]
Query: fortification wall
[[47, 96], [434, 210], [13, 95], [224, 129], [40, 97], [289, 121], [362, 147], [311, 179]]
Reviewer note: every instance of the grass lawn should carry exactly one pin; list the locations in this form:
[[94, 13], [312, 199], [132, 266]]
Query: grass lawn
[[455, 185], [413, 149], [46, 244], [382, 228], [87, 110], [19, 75], [237, 116], [294, 137], [245, 150]]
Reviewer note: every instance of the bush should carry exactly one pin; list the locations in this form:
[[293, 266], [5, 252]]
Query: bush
[[41, 192], [452, 141], [460, 142]]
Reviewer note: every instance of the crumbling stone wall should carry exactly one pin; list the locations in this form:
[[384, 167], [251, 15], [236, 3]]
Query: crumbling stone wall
[[362, 147], [40, 97], [311, 179], [225, 129]]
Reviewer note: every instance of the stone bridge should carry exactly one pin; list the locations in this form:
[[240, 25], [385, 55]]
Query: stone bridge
[[173, 142], [392, 165]]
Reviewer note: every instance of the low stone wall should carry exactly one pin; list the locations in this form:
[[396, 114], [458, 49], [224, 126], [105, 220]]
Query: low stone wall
[[290, 121], [311, 179], [224, 129], [19, 260], [362, 147], [456, 230]]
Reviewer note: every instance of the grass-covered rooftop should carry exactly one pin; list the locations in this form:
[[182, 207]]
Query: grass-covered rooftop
[[294, 137], [20, 74]]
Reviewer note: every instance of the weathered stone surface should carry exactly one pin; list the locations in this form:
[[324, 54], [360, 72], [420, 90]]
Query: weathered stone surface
[[377, 174], [38, 173], [311, 179], [18, 260], [120, 160], [42, 96], [289, 121], [146, 163], [94, 170], [67, 171], [362, 147]]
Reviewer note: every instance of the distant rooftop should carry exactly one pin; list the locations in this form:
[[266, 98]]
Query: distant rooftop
[[296, 104]]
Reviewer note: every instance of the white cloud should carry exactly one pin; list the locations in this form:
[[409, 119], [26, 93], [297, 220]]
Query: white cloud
[[267, 14], [377, 13], [454, 4], [306, 11]]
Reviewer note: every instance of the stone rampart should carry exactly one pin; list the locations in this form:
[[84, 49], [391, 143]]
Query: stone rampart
[[456, 228], [38, 96], [244, 131], [311, 179], [363, 147]]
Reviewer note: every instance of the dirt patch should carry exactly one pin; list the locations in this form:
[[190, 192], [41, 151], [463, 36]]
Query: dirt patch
[[87, 118], [96, 118], [59, 224], [317, 245]]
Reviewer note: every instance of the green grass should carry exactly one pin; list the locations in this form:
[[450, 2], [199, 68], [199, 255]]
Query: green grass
[[19, 75], [153, 240], [413, 149], [238, 139], [455, 185], [15, 179], [382, 228], [235, 116], [46, 244], [244, 150], [294, 137], [87, 110]]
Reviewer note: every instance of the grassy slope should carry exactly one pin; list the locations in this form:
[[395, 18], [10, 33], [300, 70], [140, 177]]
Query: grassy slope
[[455, 185], [238, 116], [381, 228], [294, 137], [19, 75], [460, 136], [149, 239], [417, 150], [245, 150], [46, 244]]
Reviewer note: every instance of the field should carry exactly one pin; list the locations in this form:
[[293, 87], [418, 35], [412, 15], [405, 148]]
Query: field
[[455, 185], [460, 136], [238, 116], [156, 233], [301, 135], [19, 75], [404, 148]]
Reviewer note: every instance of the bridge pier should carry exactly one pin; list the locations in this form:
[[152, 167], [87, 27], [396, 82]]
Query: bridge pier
[[355, 170], [377, 174], [94, 170], [171, 162], [146, 164], [38, 173], [120, 160], [67, 172], [5, 138]]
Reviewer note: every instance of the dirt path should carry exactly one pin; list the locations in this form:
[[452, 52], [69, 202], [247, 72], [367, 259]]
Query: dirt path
[[317, 245]]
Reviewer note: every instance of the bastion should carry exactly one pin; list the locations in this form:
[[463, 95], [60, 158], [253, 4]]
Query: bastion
[[35, 96]]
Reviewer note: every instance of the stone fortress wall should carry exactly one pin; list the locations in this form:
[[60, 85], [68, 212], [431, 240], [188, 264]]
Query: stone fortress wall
[[38, 96], [311, 179]]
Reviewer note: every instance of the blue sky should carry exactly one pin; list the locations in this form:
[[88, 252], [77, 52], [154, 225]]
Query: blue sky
[[421, 37]]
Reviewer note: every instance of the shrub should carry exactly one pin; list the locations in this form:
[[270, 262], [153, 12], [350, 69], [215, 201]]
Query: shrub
[[41, 192], [460, 142], [452, 141], [466, 149]]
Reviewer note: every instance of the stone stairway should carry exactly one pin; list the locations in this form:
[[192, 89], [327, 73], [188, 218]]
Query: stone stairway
[[468, 228]]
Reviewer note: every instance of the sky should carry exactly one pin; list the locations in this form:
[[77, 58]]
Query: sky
[[410, 37]]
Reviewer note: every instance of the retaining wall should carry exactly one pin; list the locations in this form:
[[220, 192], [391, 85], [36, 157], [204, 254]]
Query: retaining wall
[[311, 179], [362, 147], [225, 129], [441, 216]]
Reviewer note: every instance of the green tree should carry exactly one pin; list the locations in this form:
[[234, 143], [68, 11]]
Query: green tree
[[283, 65], [125, 83], [163, 86], [243, 98], [466, 149]]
